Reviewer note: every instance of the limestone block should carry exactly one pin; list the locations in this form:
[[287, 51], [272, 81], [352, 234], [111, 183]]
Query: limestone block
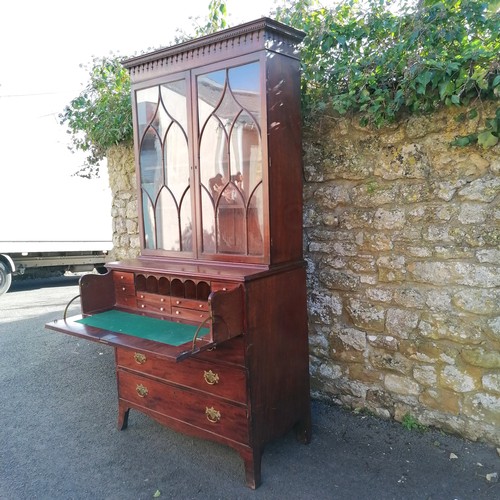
[[458, 380], [482, 407], [482, 189], [330, 371], [362, 264], [353, 338], [331, 196], [489, 256], [386, 342], [445, 190], [409, 297], [374, 242], [477, 300], [438, 300], [390, 361], [365, 315], [449, 273], [408, 161], [491, 382], [379, 294], [494, 327], [132, 226], [481, 357], [473, 213], [323, 305], [373, 194], [425, 375], [441, 399], [364, 374], [341, 352], [391, 268], [338, 280], [401, 322], [450, 326], [389, 219], [422, 125], [132, 209], [401, 385], [352, 218]]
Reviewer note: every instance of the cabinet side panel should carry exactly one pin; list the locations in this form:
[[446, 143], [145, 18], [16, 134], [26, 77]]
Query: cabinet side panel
[[277, 354], [285, 158]]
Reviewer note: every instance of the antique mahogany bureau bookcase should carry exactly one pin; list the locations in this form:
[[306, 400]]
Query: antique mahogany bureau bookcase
[[209, 323]]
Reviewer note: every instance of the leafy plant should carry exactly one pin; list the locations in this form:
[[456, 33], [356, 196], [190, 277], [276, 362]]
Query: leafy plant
[[380, 59], [101, 116], [410, 423], [377, 59]]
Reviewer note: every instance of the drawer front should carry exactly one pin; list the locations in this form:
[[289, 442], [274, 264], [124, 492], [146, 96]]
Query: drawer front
[[220, 285], [148, 302], [189, 314], [121, 277], [195, 408], [223, 381], [126, 301], [125, 289], [197, 305]]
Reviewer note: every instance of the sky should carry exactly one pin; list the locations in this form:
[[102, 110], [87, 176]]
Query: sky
[[43, 44]]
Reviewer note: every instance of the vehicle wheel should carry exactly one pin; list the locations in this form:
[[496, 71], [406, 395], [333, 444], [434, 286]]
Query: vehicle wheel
[[5, 278]]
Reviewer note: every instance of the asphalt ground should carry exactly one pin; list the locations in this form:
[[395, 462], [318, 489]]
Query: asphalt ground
[[58, 435]]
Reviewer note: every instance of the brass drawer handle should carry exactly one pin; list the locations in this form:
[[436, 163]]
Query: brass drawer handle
[[210, 377], [212, 414], [139, 358], [142, 391]]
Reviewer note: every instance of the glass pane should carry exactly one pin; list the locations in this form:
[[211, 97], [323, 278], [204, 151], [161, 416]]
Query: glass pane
[[231, 160], [210, 90], [147, 102], [148, 216], [186, 223], [150, 162], [208, 221], [167, 237], [173, 96], [164, 166], [176, 155]]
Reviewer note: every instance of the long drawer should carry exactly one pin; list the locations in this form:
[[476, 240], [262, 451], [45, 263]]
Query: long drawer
[[196, 408], [221, 380]]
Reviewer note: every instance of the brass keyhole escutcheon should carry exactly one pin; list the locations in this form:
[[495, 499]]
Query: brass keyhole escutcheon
[[210, 377], [142, 390], [212, 414], [140, 358]]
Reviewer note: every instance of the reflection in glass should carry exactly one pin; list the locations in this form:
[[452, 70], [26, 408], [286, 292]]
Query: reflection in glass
[[164, 166], [229, 103]]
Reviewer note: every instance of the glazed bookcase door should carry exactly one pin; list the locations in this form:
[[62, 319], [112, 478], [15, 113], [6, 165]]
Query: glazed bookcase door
[[164, 167], [228, 141]]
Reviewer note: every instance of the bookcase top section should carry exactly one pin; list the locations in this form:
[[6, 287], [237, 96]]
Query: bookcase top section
[[261, 34]]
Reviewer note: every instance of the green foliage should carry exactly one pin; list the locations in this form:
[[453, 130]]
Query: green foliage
[[101, 116], [382, 58], [215, 20], [376, 58], [410, 423]]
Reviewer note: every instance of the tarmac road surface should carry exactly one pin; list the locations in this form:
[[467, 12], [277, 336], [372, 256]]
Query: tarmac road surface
[[58, 435]]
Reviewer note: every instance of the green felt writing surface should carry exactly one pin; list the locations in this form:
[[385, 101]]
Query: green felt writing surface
[[144, 327]]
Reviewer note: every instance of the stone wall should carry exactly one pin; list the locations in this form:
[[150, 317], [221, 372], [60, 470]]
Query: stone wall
[[402, 235], [122, 181]]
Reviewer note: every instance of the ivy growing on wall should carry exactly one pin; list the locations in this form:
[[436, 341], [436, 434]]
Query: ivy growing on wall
[[378, 59]]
